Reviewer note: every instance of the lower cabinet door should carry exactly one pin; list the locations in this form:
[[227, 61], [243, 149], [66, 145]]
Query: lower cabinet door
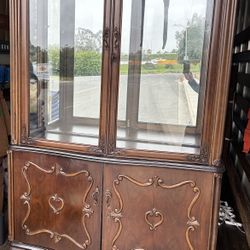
[[149, 208], [56, 201]]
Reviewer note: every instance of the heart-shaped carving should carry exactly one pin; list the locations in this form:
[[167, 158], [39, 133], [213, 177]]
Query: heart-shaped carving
[[56, 203], [154, 213]]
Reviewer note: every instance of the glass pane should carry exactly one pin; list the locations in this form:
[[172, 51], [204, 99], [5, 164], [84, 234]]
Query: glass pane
[[65, 68], [163, 57]]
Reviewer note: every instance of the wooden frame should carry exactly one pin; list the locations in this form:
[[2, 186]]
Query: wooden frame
[[214, 103]]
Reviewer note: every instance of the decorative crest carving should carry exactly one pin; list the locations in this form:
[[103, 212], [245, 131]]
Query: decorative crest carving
[[200, 158]]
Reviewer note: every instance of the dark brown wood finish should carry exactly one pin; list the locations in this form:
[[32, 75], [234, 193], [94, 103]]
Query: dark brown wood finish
[[11, 217], [106, 75], [217, 79], [157, 209], [115, 57], [103, 197], [214, 110], [15, 42], [57, 201], [20, 79]]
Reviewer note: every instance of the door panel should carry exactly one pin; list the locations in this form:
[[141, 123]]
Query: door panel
[[152, 208], [57, 201], [65, 67]]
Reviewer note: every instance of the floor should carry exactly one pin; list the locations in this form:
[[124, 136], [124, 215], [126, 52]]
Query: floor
[[230, 237]]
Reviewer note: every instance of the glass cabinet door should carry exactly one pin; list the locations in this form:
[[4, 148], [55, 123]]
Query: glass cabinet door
[[164, 47], [65, 67]]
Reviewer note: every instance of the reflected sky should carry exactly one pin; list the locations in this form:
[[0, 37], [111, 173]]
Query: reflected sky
[[89, 13]]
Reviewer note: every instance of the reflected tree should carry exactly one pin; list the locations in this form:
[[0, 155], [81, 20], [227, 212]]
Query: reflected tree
[[195, 37], [87, 40]]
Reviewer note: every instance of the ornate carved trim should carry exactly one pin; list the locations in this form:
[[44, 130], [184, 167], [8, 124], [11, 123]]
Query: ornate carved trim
[[95, 196], [108, 197], [153, 213], [87, 210], [106, 38], [113, 150], [200, 158], [155, 182], [58, 200], [218, 163], [25, 139], [116, 37], [190, 228], [94, 149]]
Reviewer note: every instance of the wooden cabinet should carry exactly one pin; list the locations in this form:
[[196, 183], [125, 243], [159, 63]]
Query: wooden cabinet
[[153, 208], [57, 201], [117, 122]]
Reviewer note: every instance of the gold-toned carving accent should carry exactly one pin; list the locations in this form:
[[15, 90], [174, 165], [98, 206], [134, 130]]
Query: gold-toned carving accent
[[153, 213], [118, 221], [108, 197], [218, 163], [26, 140], [200, 158], [190, 228], [106, 38], [87, 210], [95, 196], [94, 149], [155, 182], [114, 215], [56, 199], [194, 223], [116, 37]]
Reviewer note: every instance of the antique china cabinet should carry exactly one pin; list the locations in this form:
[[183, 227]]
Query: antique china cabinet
[[118, 110]]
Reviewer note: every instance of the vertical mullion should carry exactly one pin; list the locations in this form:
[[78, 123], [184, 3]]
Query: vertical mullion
[[114, 77], [23, 66], [106, 77]]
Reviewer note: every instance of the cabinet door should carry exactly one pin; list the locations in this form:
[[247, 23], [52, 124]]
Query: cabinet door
[[56, 201], [164, 50], [67, 60], [152, 208]]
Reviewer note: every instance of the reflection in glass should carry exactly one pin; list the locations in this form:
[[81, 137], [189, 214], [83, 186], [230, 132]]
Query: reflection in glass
[[65, 68], [162, 55]]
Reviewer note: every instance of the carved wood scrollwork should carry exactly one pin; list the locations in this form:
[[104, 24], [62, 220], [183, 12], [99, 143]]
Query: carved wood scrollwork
[[108, 197], [95, 150], [116, 44], [201, 158], [106, 38], [87, 210], [56, 203], [154, 213], [24, 138], [116, 37], [95, 196], [155, 182]]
